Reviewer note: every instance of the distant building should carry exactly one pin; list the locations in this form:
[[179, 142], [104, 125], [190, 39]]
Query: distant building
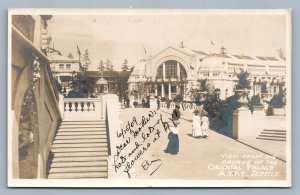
[[114, 82], [178, 70], [63, 68]]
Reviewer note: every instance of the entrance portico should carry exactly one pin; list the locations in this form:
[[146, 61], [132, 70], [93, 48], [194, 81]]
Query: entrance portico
[[170, 78]]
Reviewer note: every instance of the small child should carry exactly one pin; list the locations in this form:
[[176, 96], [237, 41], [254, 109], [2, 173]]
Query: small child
[[204, 124], [196, 124]]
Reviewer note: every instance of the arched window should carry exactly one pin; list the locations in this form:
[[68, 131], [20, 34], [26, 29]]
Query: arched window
[[171, 70]]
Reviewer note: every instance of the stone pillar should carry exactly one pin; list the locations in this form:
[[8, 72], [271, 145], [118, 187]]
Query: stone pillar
[[153, 103], [162, 90], [178, 70], [155, 89], [242, 125], [169, 91], [164, 70]]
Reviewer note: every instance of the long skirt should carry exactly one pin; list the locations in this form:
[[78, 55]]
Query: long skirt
[[173, 145]]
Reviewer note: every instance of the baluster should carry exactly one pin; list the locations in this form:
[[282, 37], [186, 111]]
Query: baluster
[[85, 108], [76, 106], [80, 107], [93, 106], [67, 107], [73, 107]]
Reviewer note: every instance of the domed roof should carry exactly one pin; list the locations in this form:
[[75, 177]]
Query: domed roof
[[101, 81]]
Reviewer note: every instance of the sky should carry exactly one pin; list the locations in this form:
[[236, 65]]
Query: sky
[[119, 37]]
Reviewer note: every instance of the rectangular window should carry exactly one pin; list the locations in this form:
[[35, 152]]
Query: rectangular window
[[171, 70], [61, 66], [68, 66]]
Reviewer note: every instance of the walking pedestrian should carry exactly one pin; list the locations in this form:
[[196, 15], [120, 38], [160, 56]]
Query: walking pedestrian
[[196, 124], [204, 124], [176, 113], [173, 145]]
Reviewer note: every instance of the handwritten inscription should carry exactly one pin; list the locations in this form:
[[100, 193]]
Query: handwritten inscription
[[246, 165], [137, 138], [147, 164]]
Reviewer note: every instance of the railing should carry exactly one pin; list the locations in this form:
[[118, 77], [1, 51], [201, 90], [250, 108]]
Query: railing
[[92, 108], [183, 105]]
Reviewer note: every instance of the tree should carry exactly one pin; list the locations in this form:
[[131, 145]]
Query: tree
[[85, 62], [108, 65], [111, 67], [125, 66], [101, 66], [82, 85]]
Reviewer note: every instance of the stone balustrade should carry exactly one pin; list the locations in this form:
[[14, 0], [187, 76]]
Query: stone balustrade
[[78, 108]]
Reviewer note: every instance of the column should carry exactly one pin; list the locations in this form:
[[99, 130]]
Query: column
[[164, 71], [162, 90], [169, 91], [155, 89], [178, 70]]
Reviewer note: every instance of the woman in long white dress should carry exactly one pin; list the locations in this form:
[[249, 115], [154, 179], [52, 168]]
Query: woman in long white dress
[[204, 124], [196, 124]]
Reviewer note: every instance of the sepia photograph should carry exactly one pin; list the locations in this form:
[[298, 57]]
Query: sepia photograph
[[149, 98]]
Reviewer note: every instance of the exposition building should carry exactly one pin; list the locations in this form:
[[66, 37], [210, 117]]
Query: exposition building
[[179, 70]]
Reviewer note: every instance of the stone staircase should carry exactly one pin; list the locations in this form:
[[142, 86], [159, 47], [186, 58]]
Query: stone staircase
[[272, 134], [79, 150]]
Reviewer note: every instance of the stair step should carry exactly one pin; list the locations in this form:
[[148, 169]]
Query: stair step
[[82, 126], [79, 145], [79, 164], [80, 153], [81, 137], [74, 141], [78, 175], [82, 122], [80, 159], [272, 136], [272, 133], [77, 169], [274, 130], [270, 139], [82, 129], [90, 149], [62, 133]]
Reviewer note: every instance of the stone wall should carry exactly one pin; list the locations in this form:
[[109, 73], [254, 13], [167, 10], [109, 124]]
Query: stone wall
[[31, 83]]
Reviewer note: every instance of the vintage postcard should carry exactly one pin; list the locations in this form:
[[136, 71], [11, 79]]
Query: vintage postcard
[[149, 98]]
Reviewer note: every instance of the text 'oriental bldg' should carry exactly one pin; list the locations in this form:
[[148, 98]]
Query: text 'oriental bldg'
[[180, 70]]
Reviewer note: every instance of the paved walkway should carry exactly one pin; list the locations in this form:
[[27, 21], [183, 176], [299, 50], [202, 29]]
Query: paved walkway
[[275, 148], [217, 157]]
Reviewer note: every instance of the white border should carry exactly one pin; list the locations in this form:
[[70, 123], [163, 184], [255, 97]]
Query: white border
[[157, 182]]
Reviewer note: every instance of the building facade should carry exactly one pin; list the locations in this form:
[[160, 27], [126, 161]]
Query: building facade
[[180, 70], [63, 68]]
